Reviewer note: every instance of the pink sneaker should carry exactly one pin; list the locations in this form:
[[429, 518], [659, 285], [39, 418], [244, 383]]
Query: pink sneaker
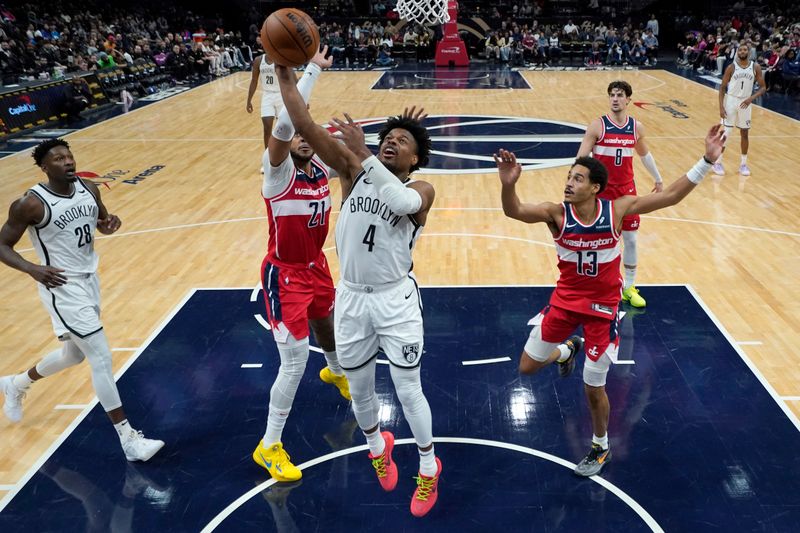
[[427, 492], [384, 466], [744, 170], [718, 169]]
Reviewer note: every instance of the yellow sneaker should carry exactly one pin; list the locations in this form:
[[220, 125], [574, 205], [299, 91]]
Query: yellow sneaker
[[340, 381], [276, 461], [632, 296]]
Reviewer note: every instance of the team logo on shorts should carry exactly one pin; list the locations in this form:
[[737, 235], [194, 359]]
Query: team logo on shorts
[[411, 352], [594, 352]]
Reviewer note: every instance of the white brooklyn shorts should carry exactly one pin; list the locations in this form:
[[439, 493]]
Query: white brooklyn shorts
[[75, 306], [735, 115], [271, 104], [386, 318]]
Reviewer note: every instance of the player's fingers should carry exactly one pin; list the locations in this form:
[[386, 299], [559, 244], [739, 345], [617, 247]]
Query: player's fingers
[[349, 119]]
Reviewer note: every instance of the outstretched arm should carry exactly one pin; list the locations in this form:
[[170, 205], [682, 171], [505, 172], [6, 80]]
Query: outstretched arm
[[647, 158], [332, 152], [510, 171], [677, 191]]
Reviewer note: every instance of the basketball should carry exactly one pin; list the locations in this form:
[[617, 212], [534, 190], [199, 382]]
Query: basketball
[[290, 37]]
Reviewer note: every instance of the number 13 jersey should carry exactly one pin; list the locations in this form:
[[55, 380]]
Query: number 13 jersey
[[65, 236], [374, 242]]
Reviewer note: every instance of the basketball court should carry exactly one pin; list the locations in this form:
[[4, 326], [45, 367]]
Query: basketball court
[[704, 398]]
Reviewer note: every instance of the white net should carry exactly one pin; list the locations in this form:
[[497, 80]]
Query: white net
[[423, 11]]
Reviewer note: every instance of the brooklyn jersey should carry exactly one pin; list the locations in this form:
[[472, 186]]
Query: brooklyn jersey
[[588, 261], [267, 77], [298, 215], [65, 236], [742, 80], [615, 150], [374, 243]]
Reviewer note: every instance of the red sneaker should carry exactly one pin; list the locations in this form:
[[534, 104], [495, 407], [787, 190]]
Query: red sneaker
[[427, 492], [384, 465]]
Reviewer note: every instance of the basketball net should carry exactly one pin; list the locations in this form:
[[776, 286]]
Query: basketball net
[[423, 11]]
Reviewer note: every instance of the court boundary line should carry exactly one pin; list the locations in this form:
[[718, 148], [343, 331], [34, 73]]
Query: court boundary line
[[717, 91], [637, 508], [753, 368], [92, 403]]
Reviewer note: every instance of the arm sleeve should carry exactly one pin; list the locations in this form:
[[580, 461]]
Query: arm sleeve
[[650, 164], [400, 199], [284, 130], [276, 178]]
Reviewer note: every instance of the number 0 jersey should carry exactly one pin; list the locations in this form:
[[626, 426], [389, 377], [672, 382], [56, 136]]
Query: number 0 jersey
[[588, 259], [65, 236], [615, 150], [298, 215], [374, 243]]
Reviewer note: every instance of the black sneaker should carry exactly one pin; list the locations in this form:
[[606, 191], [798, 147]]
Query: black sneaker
[[594, 461], [574, 344]]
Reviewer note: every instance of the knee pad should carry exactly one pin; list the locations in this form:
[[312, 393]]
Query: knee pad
[[595, 372], [408, 386], [629, 254], [366, 407]]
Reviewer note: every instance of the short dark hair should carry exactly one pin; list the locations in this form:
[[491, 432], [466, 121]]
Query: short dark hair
[[622, 85], [597, 171], [419, 132], [43, 147]]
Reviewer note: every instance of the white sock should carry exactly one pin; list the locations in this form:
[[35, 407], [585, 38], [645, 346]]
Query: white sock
[[375, 442], [124, 430], [601, 441], [744, 159], [333, 362], [427, 463], [22, 381], [630, 277], [565, 351]]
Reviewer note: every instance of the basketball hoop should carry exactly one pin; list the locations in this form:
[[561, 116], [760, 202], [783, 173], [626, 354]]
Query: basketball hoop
[[423, 11]]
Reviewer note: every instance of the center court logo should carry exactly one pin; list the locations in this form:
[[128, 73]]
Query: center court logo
[[464, 144]]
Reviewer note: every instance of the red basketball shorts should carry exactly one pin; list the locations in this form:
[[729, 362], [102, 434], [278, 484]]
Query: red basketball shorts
[[612, 192]]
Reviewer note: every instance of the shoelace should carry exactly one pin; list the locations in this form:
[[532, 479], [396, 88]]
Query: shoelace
[[379, 464], [18, 396], [424, 487], [595, 452]]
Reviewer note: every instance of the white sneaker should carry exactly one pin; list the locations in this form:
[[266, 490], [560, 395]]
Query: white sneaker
[[744, 170], [14, 397], [262, 170], [719, 170], [138, 448]]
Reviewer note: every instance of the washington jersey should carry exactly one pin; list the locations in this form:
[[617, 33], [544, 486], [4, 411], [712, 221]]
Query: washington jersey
[[267, 77], [298, 215], [588, 261], [65, 236], [374, 243], [742, 81], [615, 150]]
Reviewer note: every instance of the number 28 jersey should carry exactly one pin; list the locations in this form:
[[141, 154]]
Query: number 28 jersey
[[588, 261], [65, 236], [298, 215]]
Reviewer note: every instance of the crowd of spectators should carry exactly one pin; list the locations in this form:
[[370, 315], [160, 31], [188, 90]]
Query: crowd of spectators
[[774, 40]]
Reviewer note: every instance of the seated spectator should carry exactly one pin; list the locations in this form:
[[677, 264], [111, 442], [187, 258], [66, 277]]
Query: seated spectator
[[384, 57], [790, 69], [105, 61], [77, 96], [650, 42]]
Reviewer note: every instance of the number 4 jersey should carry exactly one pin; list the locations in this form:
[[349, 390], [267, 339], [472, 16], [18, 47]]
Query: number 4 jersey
[[374, 242], [298, 213], [588, 259], [65, 236]]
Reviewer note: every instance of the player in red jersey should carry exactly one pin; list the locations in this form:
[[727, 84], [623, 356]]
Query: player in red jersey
[[296, 280], [586, 231], [612, 139]]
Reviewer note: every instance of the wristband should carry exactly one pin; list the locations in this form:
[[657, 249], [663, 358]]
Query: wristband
[[699, 171]]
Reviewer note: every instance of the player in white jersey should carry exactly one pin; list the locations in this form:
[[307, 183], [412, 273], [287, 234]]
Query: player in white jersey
[[735, 96], [61, 217], [377, 300], [271, 103]]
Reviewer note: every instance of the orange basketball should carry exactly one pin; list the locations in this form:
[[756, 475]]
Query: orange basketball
[[290, 37]]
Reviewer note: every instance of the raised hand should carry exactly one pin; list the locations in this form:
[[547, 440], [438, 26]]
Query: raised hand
[[715, 142], [320, 59], [414, 114], [49, 276], [507, 167], [353, 136], [108, 225]]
